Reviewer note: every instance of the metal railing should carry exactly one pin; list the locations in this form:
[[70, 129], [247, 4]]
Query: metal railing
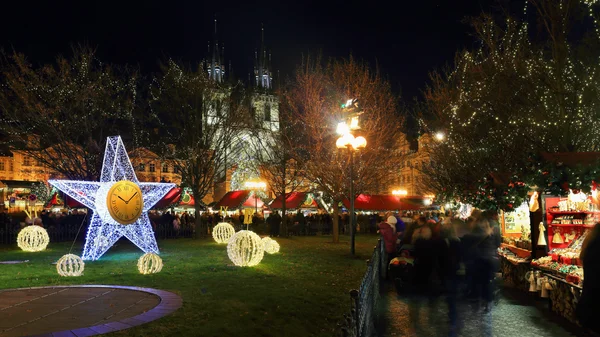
[[362, 320]]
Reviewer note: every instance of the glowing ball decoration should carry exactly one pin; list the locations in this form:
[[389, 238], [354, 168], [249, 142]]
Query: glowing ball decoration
[[150, 263], [33, 239], [70, 265], [271, 246], [222, 232], [245, 249]]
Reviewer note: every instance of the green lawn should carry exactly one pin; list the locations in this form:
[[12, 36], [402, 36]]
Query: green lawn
[[302, 291]]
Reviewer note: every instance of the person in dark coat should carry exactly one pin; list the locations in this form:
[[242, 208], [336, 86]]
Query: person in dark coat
[[388, 232], [589, 303]]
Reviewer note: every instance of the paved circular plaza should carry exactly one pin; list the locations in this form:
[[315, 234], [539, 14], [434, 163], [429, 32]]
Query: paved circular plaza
[[84, 310]]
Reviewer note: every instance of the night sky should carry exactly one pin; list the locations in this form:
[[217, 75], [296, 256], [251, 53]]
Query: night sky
[[407, 39]]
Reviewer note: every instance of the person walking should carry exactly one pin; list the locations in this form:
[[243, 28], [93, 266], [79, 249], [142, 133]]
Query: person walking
[[387, 230]]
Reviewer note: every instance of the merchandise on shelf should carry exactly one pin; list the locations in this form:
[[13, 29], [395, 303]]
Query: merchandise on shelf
[[569, 218]]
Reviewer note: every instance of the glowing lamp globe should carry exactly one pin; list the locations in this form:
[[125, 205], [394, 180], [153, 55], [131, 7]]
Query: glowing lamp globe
[[359, 142], [149, 263], [222, 232], [245, 249], [271, 246], [70, 265], [33, 239]]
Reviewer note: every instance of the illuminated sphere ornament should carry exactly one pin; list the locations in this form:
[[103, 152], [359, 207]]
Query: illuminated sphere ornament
[[271, 246], [70, 265], [222, 232], [245, 249], [33, 239], [150, 263]]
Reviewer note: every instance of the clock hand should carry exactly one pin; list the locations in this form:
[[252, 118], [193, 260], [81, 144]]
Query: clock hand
[[131, 197], [118, 196]]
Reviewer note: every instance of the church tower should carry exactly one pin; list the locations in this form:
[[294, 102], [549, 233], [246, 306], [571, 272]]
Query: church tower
[[215, 63], [262, 65]]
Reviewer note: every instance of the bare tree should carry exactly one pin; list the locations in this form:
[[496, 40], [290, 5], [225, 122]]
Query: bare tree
[[60, 114], [196, 121], [280, 159], [314, 98]]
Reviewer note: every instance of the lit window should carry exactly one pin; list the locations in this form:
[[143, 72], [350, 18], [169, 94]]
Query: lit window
[[165, 168], [152, 168]]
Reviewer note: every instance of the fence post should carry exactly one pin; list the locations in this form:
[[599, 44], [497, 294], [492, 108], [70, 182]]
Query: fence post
[[354, 297]]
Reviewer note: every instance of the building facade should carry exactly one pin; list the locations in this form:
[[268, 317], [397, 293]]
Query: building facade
[[412, 171]]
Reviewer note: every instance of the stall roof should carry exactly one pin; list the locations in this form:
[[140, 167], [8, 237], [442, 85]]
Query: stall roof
[[170, 198], [239, 199], [18, 183], [295, 200], [379, 202]]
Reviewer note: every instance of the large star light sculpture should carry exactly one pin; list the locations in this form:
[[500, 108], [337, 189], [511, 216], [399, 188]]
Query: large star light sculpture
[[118, 186]]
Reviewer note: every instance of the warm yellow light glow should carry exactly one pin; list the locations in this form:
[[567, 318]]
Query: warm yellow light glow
[[149, 263], [245, 249], [255, 185], [271, 246], [222, 232], [430, 196], [348, 103], [399, 192], [342, 128], [439, 136], [33, 239], [354, 123], [70, 265], [427, 202], [359, 142], [340, 143]]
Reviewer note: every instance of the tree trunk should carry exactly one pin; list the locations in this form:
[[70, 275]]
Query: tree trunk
[[199, 226], [336, 223], [283, 230]]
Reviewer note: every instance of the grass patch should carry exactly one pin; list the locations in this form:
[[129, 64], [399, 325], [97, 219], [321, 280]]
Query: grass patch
[[302, 291]]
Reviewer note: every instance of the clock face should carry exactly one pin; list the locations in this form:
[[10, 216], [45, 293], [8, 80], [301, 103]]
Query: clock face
[[124, 202]]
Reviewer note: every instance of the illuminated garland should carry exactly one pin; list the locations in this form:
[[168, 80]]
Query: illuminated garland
[[222, 232], [149, 263]]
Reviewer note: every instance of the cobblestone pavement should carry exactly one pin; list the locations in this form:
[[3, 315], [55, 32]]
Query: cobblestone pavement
[[515, 314]]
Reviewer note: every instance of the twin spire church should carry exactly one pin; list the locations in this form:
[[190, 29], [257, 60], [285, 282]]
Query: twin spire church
[[219, 71], [241, 156]]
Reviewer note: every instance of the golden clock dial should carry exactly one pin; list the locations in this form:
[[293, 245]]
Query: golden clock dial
[[125, 202]]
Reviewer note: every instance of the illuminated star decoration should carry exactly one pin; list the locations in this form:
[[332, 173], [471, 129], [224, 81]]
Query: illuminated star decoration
[[104, 231]]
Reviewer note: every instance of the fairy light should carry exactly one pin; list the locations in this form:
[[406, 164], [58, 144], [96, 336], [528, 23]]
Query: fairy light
[[70, 265], [33, 239], [222, 232], [104, 231], [271, 246], [245, 249], [149, 263]]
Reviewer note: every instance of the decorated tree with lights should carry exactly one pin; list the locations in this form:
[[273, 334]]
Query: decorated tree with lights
[[196, 120], [314, 98], [521, 94], [60, 114]]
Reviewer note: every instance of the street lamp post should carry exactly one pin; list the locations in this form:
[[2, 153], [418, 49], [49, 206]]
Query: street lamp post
[[348, 141], [255, 185]]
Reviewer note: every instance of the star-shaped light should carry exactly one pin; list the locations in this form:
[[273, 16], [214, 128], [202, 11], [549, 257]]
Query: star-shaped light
[[104, 231]]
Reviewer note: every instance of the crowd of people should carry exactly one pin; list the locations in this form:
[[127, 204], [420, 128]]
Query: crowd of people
[[446, 255]]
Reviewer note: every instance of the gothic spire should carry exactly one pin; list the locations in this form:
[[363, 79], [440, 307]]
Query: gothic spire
[[216, 68], [262, 71]]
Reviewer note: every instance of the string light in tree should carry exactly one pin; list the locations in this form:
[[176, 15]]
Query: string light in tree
[[33, 239], [129, 201], [70, 265], [245, 249], [222, 232], [149, 263]]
